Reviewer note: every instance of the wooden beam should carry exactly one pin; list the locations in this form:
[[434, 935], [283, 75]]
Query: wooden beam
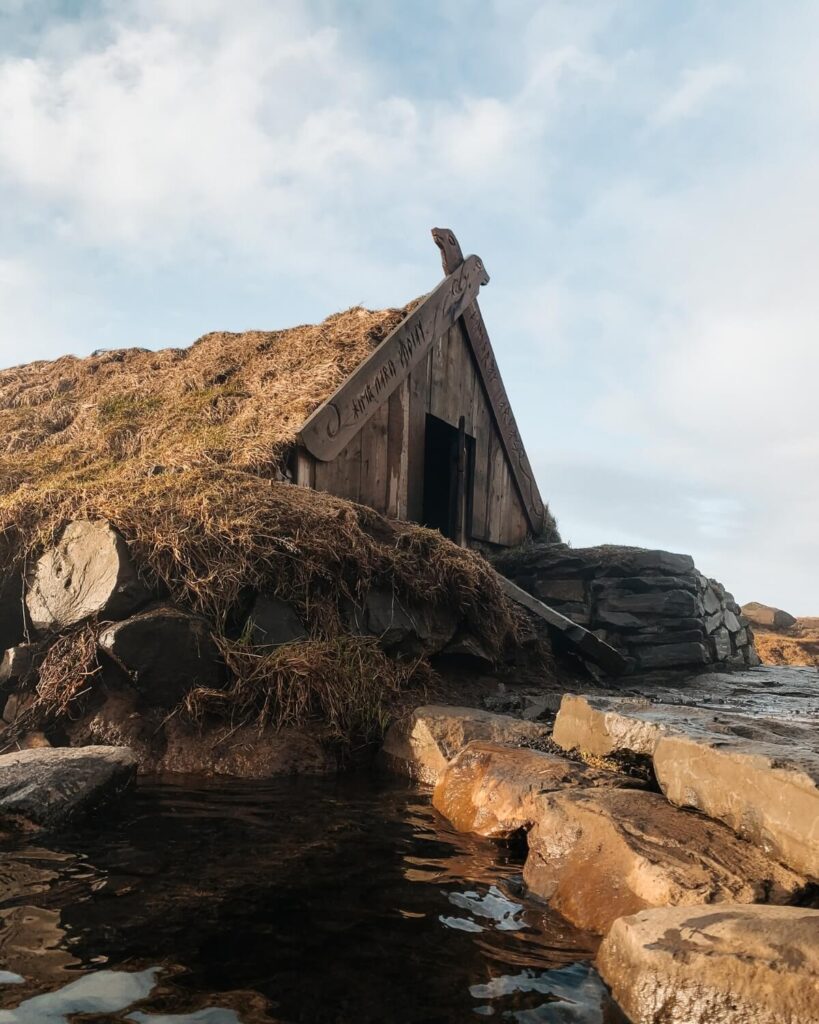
[[452, 258], [335, 422], [586, 642]]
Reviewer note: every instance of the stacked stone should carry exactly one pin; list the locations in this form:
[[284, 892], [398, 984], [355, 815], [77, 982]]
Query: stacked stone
[[654, 606], [162, 651]]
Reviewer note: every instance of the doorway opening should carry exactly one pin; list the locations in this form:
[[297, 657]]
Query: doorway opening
[[448, 472]]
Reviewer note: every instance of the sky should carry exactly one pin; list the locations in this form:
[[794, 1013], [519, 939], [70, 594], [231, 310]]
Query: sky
[[639, 177]]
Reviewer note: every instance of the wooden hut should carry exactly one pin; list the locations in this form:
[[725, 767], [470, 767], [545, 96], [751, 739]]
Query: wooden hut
[[423, 430]]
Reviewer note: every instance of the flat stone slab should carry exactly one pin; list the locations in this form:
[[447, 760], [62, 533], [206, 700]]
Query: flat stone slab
[[600, 854], [52, 786], [783, 692], [492, 789], [758, 775], [715, 965], [422, 745]]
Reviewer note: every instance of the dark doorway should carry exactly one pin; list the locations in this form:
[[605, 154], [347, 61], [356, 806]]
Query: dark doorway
[[448, 460]]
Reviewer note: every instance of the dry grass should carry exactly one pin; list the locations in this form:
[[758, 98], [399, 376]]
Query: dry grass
[[182, 451], [797, 646], [348, 684], [229, 400]]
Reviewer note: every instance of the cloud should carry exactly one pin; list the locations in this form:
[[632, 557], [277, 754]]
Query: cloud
[[641, 187], [697, 89]]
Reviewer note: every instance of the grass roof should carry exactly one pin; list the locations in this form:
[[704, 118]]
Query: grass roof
[[181, 450]]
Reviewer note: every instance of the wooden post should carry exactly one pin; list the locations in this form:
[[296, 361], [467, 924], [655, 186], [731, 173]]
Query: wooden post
[[460, 495]]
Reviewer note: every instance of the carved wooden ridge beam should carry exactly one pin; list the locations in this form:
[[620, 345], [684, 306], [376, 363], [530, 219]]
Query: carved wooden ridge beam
[[334, 424], [452, 258]]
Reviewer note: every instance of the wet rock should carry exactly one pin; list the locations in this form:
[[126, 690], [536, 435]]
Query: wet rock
[[273, 622], [165, 652], [492, 789], [758, 775], [12, 611], [88, 573], [766, 791], [244, 752], [600, 854], [53, 786], [715, 965], [602, 726], [767, 617], [422, 745]]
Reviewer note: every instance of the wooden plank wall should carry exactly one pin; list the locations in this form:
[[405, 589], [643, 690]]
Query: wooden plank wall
[[383, 466]]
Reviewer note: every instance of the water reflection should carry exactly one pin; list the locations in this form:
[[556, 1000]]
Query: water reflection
[[309, 901], [494, 905], [100, 992], [575, 995]]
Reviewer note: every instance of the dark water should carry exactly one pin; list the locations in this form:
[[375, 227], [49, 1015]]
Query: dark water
[[347, 900]]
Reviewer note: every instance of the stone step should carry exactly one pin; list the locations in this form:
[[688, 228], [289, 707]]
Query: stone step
[[599, 854], [758, 775], [493, 789], [715, 965], [424, 743]]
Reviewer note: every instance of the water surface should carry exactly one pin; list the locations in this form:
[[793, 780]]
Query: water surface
[[343, 900]]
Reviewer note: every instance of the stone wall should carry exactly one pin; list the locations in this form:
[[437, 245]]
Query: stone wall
[[653, 606]]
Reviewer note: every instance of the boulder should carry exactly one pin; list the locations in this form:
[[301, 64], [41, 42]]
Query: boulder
[[731, 621], [675, 603], [645, 584], [721, 644], [467, 648], [710, 601], [715, 965], [671, 655], [713, 622], [16, 706], [53, 786], [758, 775], [560, 590], [602, 726], [741, 638], [165, 652], [16, 664], [423, 744], [767, 617], [402, 629], [766, 791], [559, 561], [87, 574], [492, 789], [273, 622], [12, 611], [599, 854], [657, 637]]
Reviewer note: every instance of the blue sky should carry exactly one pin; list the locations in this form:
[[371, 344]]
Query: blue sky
[[639, 177]]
